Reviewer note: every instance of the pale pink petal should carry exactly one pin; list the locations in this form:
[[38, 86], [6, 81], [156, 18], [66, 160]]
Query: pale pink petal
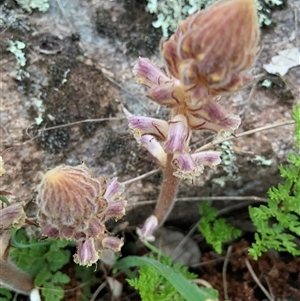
[[186, 167], [169, 94], [12, 215], [212, 116], [86, 253], [96, 227], [112, 243], [178, 136], [154, 148], [115, 210], [114, 190], [146, 233], [209, 158], [151, 126], [66, 232], [50, 231], [148, 74]]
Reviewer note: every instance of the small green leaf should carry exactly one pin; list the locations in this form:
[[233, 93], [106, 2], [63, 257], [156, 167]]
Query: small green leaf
[[5, 294], [60, 277], [4, 200], [43, 276]]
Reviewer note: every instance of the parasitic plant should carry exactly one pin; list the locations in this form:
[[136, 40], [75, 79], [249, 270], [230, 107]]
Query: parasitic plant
[[208, 55], [74, 205]]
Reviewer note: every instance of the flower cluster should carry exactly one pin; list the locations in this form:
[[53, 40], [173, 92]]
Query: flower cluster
[[74, 205], [207, 56]]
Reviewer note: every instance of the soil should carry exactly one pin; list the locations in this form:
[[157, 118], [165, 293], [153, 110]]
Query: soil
[[78, 80]]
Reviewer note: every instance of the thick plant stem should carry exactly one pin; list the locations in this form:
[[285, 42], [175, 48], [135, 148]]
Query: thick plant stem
[[168, 192], [13, 278]]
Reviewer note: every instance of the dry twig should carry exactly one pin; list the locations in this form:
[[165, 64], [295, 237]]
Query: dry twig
[[224, 272], [255, 278]]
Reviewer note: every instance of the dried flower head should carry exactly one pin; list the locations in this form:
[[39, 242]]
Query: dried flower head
[[75, 205]]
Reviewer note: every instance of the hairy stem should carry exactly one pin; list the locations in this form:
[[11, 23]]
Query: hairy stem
[[168, 192], [13, 278]]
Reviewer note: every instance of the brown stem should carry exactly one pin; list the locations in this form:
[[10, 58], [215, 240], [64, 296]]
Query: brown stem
[[168, 192], [13, 278]]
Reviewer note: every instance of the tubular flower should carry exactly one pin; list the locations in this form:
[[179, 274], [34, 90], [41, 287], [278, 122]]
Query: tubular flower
[[12, 215], [212, 116], [146, 125], [146, 233], [190, 166], [74, 205], [207, 114], [178, 135]]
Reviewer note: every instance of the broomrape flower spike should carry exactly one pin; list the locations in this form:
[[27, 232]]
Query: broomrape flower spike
[[207, 55], [75, 205]]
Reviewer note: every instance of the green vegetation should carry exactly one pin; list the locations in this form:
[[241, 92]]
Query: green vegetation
[[278, 222], [164, 280], [216, 231], [44, 261], [29, 5]]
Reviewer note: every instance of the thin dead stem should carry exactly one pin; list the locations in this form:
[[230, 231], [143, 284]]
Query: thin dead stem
[[202, 282], [98, 290], [250, 198], [79, 122], [224, 272], [187, 236], [141, 177], [257, 280], [212, 144], [62, 126]]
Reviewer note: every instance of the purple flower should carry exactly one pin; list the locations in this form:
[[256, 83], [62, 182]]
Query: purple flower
[[146, 233], [86, 253], [178, 135], [212, 116], [75, 206], [150, 126], [154, 148], [189, 166], [148, 74]]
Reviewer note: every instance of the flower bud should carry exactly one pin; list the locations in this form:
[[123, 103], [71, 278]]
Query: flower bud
[[146, 233], [211, 49]]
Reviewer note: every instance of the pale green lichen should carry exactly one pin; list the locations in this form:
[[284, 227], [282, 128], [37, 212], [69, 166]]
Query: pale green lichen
[[228, 158], [7, 17], [16, 48], [40, 108], [170, 12], [29, 5], [262, 161]]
